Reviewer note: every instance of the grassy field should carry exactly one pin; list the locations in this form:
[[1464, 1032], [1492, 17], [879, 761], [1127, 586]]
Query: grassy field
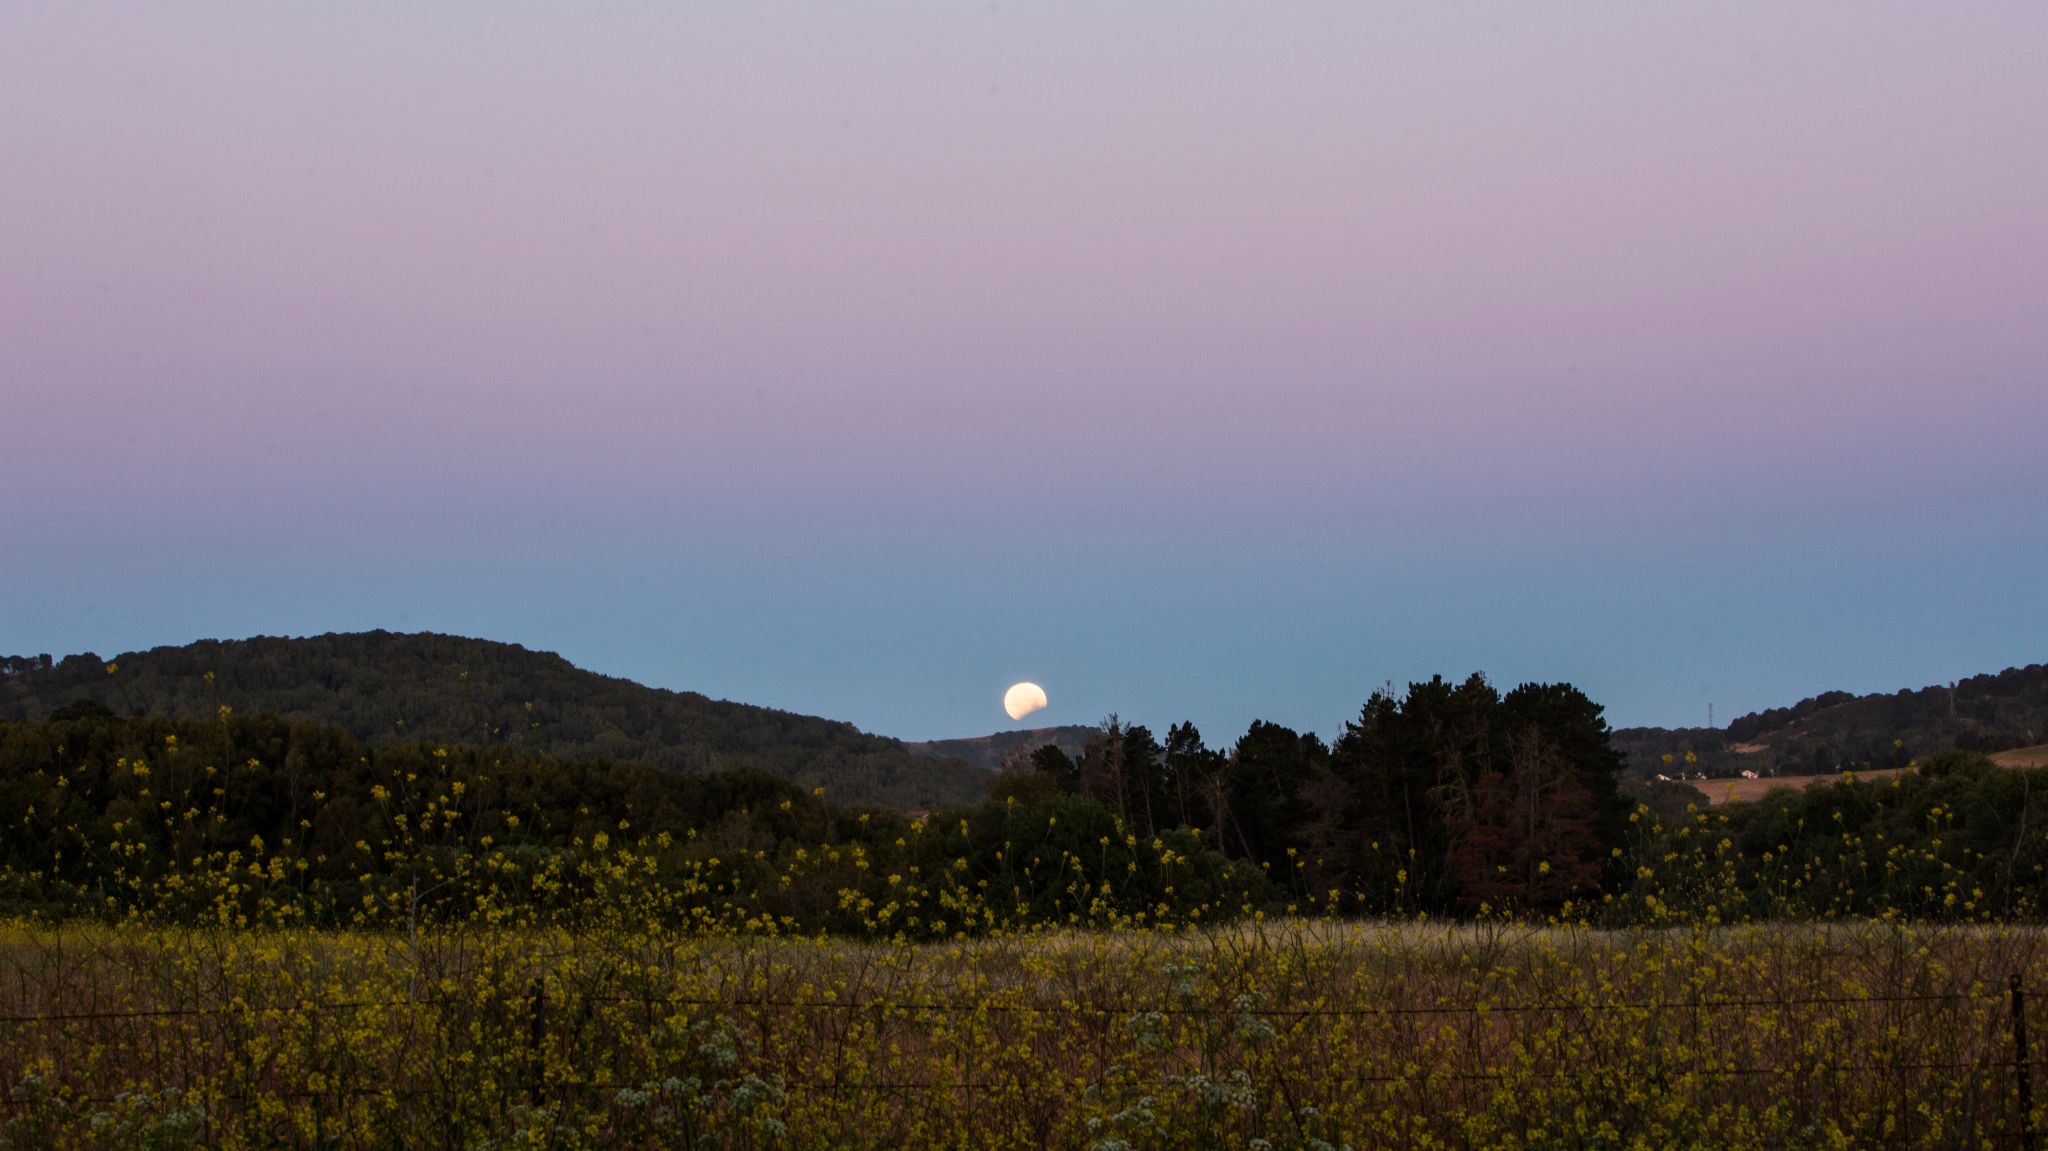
[[1301, 1033]]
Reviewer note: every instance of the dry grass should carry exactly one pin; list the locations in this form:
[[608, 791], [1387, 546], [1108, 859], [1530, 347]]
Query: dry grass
[[1720, 791], [1296, 1034], [2036, 756]]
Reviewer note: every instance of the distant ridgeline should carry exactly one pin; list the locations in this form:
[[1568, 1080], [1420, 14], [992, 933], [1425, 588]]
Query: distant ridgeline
[[1837, 731], [385, 688], [993, 751]]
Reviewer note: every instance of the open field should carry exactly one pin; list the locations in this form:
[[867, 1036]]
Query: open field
[[1719, 791], [1298, 1033]]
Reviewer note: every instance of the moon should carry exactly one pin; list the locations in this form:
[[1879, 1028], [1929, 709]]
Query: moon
[[1023, 698]]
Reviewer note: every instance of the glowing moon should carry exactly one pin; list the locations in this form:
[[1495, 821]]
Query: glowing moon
[[1022, 699]]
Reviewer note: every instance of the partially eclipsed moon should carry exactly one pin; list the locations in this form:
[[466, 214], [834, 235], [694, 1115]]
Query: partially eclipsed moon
[[1022, 699]]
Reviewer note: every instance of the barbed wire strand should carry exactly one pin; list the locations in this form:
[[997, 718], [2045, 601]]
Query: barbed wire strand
[[996, 1007]]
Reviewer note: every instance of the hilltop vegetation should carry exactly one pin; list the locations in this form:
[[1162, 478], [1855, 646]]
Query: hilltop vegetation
[[991, 752], [1837, 731], [385, 689]]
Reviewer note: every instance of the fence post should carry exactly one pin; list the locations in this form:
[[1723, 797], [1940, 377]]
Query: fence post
[[2022, 1067], [536, 1038]]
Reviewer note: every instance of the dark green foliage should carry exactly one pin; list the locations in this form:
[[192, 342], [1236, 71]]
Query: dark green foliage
[[1668, 801], [1458, 796], [1051, 761], [1447, 799], [107, 816], [1943, 763], [1044, 775], [1195, 775], [1962, 839], [1026, 785], [1265, 790], [1443, 800], [1451, 798], [1120, 768], [1017, 849], [75, 794], [385, 689]]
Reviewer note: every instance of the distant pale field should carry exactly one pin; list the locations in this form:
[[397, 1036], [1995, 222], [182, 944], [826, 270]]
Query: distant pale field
[[1720, 791], [1288, 1034], [2023, 757]]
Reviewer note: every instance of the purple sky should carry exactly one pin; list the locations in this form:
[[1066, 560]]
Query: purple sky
[[1197, 361]]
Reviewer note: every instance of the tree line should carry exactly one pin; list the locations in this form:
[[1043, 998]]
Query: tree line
[[1450, 797], [245, 816]]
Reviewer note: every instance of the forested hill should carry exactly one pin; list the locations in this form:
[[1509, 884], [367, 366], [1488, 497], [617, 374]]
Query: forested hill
[[1836, 730], [991, 751], [385, 688]]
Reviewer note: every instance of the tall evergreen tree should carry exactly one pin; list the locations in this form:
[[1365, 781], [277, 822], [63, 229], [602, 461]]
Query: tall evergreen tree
[[1194, 775], [1265, 787], [1455, 795]]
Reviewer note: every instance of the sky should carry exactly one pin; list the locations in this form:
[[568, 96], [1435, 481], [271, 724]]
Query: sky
[[1197, 361]]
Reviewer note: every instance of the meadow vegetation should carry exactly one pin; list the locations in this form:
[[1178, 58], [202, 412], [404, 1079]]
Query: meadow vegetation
[[1284, 1033], [1441, 931]]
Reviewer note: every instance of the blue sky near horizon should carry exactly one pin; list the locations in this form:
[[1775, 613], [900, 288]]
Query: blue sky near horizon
[[1201, 361]]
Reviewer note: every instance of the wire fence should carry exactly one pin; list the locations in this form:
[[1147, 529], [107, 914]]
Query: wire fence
[[996, 1006], [542, 1015], [1948, 1066]]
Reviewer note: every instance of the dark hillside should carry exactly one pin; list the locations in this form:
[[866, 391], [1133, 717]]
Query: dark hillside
[[989, 751], [1834, 731], [385, 688]]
